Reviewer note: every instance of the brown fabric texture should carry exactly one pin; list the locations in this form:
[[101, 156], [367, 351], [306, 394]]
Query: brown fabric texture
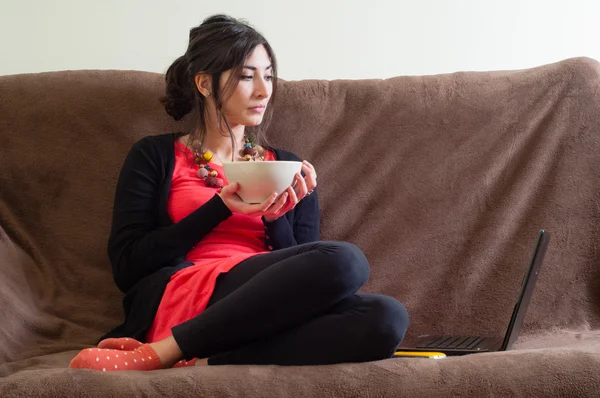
[[443, 181]]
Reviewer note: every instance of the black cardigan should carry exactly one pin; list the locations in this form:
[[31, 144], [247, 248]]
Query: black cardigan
[[145, 247]]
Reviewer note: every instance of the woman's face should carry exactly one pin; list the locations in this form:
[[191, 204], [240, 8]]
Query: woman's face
[[247, 104]]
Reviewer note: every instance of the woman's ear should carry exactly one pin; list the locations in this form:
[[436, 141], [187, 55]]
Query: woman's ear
[[204, 84]]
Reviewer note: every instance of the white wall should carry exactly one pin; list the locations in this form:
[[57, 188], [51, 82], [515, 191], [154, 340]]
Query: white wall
[[325, 39]]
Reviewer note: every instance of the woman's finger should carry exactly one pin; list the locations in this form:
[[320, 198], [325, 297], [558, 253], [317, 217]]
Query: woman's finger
[[310, 173], [300, 188], [310, 167], [293, 200], [310, 181], [279, 204], [264, 206], [229, 189]]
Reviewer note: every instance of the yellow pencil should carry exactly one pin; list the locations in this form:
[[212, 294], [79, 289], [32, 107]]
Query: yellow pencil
[[419, 354]]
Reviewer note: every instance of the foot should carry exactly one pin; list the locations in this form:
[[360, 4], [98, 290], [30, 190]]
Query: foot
[[101, 359], [168, 351], [191, 362], [184, 363], [123, 343]]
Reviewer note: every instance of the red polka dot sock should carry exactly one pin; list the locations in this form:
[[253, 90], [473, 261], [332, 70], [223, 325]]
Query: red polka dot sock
[[123, 343], [142, 358], [183, 363]]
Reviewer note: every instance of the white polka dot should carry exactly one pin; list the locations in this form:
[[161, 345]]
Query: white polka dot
[[126, 364], [143, 360], [126, 339], [116, 367], [89, 349], [104, 369], [107, 357], [97, 359], [117, 356], [135, 361], [122, 346], [124, 353], [149, 357]]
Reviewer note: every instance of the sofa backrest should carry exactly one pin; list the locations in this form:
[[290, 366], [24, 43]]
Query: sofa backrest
[[443, 181]]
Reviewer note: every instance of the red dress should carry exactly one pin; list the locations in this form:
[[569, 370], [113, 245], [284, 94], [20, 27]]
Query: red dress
[[232, 241]]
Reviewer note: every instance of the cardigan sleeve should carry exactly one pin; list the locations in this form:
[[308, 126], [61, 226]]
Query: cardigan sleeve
[[307, 219], [138, 245]]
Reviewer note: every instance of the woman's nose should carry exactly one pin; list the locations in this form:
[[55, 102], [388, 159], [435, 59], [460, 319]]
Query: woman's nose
[[262, 89]]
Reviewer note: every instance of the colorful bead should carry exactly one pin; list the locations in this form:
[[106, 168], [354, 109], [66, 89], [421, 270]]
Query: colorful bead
[[220, 182], [214, 173], [198, 160], [247, 157], [249, 151], [211, 182], [207, 156], [202, 173]]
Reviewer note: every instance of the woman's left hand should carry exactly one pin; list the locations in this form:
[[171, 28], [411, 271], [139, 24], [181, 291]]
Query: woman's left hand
[[300, 188]]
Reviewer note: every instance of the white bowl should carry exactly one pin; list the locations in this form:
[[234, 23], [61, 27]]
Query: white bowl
[[258, 180]]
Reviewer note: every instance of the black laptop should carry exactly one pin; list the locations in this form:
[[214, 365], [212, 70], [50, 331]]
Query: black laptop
[[462, 345]]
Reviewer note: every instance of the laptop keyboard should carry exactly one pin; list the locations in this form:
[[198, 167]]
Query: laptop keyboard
[[457, 343]]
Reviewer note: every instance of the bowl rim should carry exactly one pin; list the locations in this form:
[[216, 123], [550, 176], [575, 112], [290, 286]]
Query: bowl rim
[[266, 161]]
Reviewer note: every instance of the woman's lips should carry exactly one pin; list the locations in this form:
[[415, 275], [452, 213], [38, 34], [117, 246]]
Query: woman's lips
[[257, 109]]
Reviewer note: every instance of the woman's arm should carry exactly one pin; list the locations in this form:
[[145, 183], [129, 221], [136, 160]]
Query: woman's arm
[[301, 225], [138, 245]]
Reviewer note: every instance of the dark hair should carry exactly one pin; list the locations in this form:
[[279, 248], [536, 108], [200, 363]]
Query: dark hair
[[220, 43]]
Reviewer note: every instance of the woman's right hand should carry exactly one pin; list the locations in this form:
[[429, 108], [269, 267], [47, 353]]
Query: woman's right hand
[[269, 208]]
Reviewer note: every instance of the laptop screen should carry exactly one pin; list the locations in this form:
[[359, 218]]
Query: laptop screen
[[529, 280]]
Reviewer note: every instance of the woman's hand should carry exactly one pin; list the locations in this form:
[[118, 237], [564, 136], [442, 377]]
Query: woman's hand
[[273, 207], [300, 188], [237, 205]]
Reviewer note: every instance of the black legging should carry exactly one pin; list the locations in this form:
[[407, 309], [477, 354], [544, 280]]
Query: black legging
[[295, 306]]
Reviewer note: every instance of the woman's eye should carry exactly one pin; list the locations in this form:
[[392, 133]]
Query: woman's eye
[[246, 77], [269, 77]]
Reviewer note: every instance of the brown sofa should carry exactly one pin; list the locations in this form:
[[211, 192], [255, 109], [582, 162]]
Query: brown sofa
[[443, 181]]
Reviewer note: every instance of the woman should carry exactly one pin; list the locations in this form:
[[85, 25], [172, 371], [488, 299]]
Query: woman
[[210, 279]]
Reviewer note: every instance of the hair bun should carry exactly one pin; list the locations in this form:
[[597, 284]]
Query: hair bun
[[179, 99]]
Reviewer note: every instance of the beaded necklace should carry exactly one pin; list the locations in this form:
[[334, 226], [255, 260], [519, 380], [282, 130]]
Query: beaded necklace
[[209, 175]]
